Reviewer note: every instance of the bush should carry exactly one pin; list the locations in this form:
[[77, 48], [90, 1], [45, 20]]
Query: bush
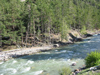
[[65, 71], [93, 59]]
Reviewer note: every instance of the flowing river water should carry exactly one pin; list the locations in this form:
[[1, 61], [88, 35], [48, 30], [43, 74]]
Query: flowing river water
[[51, 62]]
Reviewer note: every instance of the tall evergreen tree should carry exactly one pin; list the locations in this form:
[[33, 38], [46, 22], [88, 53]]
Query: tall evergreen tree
[[33, 21]]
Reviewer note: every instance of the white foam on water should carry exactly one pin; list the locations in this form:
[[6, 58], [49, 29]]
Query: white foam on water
[[46, 52], [14, 61], [29, 62], [1, 62], [56, 50], [95, 34], [91, 41], [1, 74], [53, 59], [70, 51], [63, 51], [73, 62], [38, 72], [26, 69], [88, 41], [68, 60], [12, 70]]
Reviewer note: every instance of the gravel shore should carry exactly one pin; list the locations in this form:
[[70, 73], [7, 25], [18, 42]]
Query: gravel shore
[[5, 55]]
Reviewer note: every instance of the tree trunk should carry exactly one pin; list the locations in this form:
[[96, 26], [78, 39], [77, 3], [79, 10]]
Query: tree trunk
[[0, 40], [26, 40]]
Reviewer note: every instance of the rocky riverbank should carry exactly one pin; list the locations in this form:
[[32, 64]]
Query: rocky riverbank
[[87, 71], [5, 55], [74, 36]]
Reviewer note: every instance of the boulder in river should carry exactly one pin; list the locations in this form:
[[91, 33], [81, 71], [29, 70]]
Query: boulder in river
[[73, 64]]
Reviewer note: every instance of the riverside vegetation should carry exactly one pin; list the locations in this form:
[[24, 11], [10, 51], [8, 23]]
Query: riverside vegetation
[[93, 59], [34, 22], [92, 64]]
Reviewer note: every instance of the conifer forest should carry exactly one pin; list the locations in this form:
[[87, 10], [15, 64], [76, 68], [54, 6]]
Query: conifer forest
[[32, 22]]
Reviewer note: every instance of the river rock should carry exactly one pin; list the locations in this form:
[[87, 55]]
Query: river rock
[[56, 45], [93, 68], [79, 39], [76, 71], [73, 64], [73, 73], [88, 35], [98, 67]]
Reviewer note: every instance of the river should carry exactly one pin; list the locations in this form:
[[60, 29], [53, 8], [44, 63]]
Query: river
[[51, 62]]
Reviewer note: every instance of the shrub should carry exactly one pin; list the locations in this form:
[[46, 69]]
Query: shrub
[[65, 71], [93, 59]]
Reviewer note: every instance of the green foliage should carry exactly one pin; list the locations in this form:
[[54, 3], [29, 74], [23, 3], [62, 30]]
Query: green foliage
[[65, 71], [93, 59], [20, 20], [83, 30], [64, 30]]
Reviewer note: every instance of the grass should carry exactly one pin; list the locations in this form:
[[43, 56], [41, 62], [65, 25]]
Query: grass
[[65, 71]]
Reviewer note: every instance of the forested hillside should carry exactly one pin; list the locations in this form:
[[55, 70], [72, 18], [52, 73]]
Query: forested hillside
[[25, 23]]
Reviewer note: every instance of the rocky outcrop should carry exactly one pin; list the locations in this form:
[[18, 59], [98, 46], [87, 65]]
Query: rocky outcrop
[[88, 35], [74, 39]]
